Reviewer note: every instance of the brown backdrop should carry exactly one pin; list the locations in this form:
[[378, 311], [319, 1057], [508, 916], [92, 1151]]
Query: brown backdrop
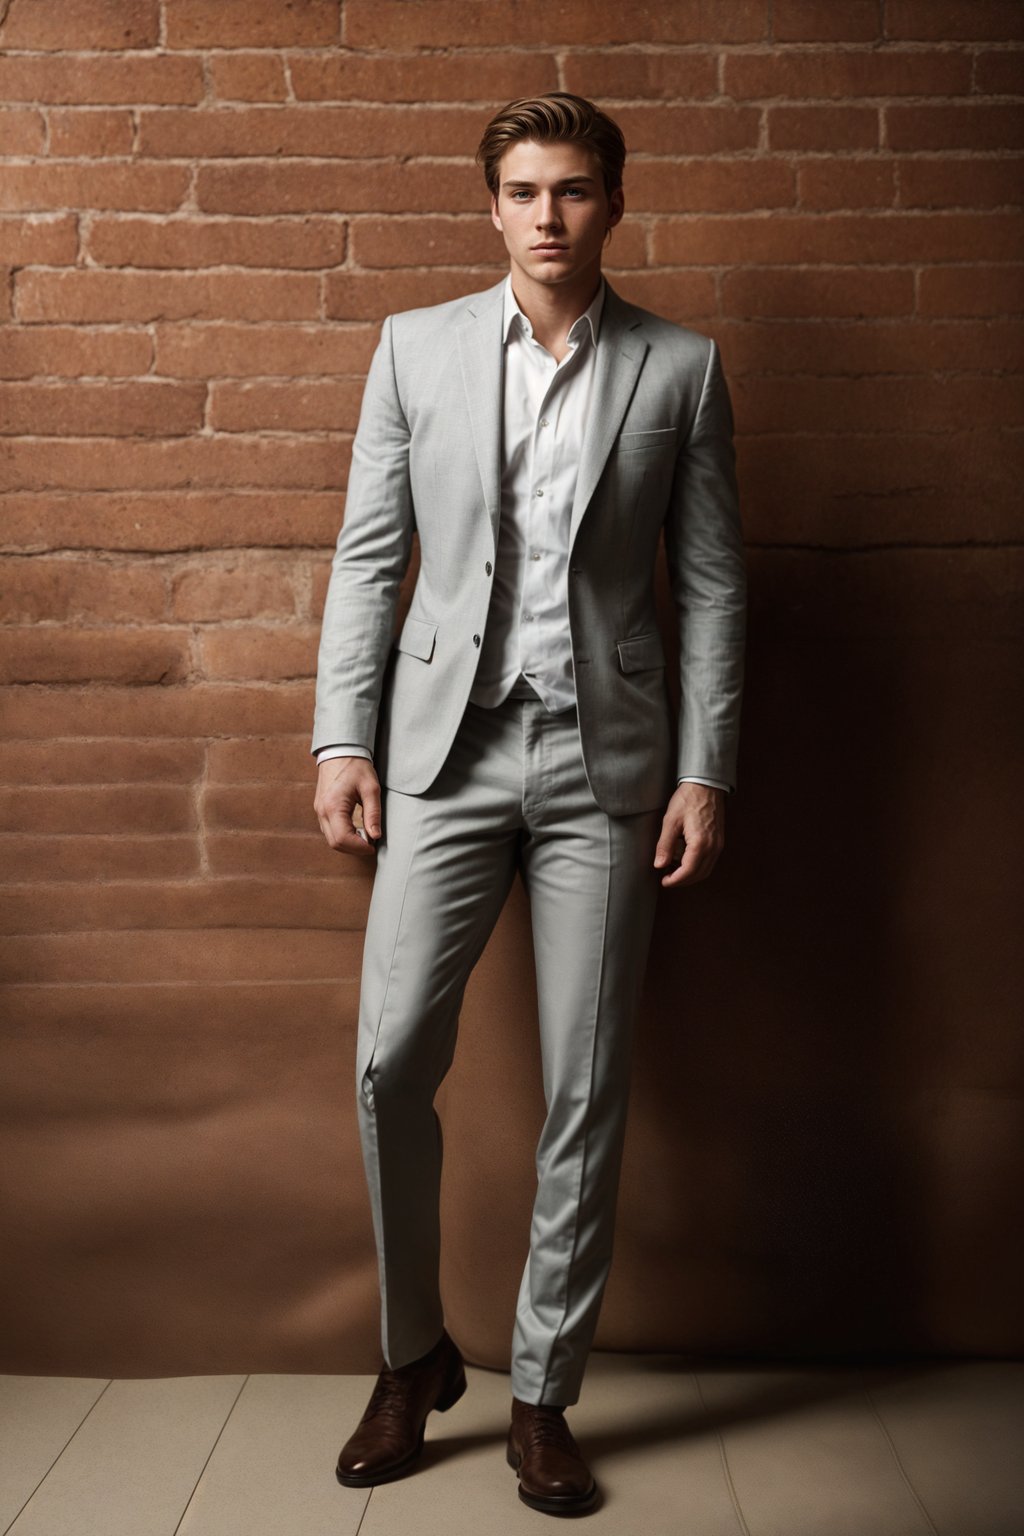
[[206, 211]]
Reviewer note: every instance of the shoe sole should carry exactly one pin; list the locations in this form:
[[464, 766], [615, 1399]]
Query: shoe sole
[[552, 1504], [387, 1474]]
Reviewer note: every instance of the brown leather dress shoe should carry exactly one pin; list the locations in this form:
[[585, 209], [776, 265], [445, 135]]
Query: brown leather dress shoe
[[389, 1436], [553, 1477]]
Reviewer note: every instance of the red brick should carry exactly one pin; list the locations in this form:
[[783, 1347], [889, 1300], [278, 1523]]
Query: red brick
[[494, 77], [249, 589], [968, 182], [447, 23], [709, 185], [148, 407], [672, 130], [247, 76], [886, 238], [348, 132], [236, 461], [50, 240], [974, 290], [102, 762], [621, 74], [307, 406], [811, 21], [168, 955], [427, 242], [340, 903], [837, 129], [837, 291], [190, 242], [276, 653], [113, 296], [284, 853], [86, 24], [830, 184], [1000, 74], [264, 350], [960, 125], [55, 655], [203, 709], [65, 351], [69, 184], [684, 297], [946, 20], [346, 187], [257, 24], [77, 78], [172, 520], [83, 133], [872, 404], [36, 588], [87, 858], [22, 131], [805, 74], [284, 760], [260, 808], [128, 808], [869, 347], [372, 295]]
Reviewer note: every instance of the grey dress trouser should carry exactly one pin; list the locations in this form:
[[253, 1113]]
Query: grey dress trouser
[[511, 794]]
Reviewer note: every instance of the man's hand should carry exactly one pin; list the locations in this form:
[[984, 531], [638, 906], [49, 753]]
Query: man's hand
[[342, 783], [693, 825]]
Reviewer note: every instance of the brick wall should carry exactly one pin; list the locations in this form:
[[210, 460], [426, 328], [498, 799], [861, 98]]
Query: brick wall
[[207, 209]]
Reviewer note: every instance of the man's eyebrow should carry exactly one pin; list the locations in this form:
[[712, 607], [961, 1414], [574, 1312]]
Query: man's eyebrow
[[564, 182]]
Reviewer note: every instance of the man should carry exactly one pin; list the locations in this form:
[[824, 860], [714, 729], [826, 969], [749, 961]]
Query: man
[[539, 436]]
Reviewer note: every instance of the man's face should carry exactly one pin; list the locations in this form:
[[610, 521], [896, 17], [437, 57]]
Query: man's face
[[553, 211]]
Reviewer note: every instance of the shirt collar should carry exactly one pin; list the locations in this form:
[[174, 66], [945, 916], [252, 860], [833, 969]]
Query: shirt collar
[[591, 316]]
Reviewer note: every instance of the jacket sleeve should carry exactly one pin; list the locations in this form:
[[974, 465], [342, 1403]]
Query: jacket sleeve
[[707, 572], [371, 557]]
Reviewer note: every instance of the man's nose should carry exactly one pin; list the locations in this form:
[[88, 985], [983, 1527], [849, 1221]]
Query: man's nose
[[547, 213]]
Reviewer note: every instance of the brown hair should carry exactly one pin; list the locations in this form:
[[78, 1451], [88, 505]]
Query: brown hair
[[556, 117]]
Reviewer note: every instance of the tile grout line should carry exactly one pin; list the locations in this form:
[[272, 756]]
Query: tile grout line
[[55, 1460], [213, 1447], [899, 1464], [726, 1472]]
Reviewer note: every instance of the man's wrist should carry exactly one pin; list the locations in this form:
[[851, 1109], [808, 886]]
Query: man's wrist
[[692, 778]]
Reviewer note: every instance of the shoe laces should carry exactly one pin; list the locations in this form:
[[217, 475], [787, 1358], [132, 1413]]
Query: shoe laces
[[390, 1396], [549, 1429]]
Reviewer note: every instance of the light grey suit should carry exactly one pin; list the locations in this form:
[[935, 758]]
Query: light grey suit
[[573, 801]]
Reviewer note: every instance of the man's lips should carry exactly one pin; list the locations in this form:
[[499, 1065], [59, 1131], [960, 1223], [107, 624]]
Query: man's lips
[[549, 245]]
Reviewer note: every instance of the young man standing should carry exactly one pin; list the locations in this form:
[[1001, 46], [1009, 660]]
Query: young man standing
[[539, 436]]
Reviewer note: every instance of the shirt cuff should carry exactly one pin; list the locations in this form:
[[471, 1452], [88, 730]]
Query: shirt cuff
[[691, 778], [346, 749]]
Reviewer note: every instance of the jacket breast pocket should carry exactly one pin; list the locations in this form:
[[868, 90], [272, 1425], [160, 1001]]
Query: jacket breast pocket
[[653, 437], [417, 638], [641, 652]]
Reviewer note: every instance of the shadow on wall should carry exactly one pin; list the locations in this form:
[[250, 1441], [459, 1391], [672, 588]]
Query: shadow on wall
[[824, 1142]]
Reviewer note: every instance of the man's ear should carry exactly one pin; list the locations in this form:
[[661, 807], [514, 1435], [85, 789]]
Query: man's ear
[[616, 207], [495, 219]]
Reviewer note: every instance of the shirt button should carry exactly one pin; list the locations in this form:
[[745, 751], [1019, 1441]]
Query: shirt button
[[544, 421], [476, 639], [535, 555], [538, 493]]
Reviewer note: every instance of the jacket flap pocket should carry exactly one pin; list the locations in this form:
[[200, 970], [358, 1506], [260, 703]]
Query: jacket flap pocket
[[417, 638], [640, 652], [654, 437]]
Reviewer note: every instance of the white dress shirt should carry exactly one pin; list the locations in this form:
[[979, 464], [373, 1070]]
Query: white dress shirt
[[545, 408]]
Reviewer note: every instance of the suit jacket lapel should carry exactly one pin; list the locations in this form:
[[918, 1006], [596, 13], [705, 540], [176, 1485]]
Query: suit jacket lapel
[[620, 354], [481, 357]]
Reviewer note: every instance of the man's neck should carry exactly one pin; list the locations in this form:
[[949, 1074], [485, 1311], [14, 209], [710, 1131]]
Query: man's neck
[[553, 311]]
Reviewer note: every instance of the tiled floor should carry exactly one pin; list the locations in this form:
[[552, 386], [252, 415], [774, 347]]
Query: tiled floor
[[934, 1448]]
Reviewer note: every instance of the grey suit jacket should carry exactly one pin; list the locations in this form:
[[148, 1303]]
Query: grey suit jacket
[[657, 455]]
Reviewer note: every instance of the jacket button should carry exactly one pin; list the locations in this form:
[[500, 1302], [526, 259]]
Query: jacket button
[[577, 570], [487, 567], [476, 639]]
